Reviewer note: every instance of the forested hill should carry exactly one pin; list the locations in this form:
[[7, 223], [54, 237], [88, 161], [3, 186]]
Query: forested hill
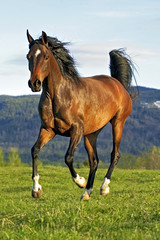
[[19, 127]]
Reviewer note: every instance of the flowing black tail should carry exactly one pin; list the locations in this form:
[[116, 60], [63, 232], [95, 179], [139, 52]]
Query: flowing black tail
[[122, 68]]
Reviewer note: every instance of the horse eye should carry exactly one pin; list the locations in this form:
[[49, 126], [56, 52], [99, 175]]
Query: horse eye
[[46, 57]]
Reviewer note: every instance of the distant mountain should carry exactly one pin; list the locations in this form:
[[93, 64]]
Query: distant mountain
[[20, 123]]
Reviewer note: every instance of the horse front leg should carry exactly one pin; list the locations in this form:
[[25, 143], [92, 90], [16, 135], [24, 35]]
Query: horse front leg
[[44, 136], [76, 135]]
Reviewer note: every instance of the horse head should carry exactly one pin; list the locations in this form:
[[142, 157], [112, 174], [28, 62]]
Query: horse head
[[38, 59]]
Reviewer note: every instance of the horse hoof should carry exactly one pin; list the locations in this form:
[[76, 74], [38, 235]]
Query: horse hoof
[[104, 191], [85, 196], [37, 194], [80, 181]]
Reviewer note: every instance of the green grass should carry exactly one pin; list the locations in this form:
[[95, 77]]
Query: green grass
[[130, 211]]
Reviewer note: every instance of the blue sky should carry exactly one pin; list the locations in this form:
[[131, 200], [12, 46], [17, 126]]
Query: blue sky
[[94, 27]]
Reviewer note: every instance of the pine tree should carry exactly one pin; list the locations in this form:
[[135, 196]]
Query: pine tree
[[2, 163], [14, 158], [78, 163]]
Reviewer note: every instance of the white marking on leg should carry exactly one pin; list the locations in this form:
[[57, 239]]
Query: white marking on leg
[[80, 181], [37, 52], [105, 188], [36, 186]]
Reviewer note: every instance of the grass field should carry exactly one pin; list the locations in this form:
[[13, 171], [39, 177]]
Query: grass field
[[130, 211]]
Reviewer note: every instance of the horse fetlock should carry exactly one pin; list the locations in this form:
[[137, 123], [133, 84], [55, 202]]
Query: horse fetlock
[[36, 189], [86, 194], [80, 181], [104, 190]]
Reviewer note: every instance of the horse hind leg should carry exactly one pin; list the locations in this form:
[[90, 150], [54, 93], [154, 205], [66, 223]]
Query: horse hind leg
[[117, 129], [90, 145]]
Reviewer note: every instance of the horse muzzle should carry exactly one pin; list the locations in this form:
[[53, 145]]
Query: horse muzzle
[[36, 86]]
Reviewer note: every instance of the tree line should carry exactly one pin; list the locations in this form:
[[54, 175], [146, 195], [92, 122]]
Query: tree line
[[146, 160], [13, 158]]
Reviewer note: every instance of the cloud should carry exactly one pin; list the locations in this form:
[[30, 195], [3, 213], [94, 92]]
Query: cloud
[[110, 14], [16, 66], [17, 60], [98, 49], [93, 58], [138, 9], [121, 14], [13, 72]]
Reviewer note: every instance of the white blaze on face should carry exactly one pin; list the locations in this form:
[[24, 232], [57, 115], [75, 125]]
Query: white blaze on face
[[37, 52]]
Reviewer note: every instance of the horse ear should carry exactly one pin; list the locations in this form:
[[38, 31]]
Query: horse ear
[[44, 38], [30, 39]]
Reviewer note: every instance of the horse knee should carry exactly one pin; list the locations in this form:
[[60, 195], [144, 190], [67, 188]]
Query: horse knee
[[35, 152]]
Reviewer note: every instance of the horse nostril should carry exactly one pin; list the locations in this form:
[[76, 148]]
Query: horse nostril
[[37, 83], [29, 83]]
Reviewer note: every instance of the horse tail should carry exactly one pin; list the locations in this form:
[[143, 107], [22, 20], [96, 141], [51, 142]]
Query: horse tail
[[122, 68]]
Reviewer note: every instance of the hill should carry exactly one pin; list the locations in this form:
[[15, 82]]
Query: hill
[[20, 123]]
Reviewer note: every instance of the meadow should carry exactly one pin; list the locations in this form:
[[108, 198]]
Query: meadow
[[130, 211]]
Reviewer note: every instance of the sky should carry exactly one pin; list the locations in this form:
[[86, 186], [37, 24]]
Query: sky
[[93, 27]]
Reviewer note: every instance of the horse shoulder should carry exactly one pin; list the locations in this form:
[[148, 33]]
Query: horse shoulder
[[46, 111]]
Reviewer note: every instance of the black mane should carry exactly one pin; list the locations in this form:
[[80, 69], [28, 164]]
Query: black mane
[[64, 60]]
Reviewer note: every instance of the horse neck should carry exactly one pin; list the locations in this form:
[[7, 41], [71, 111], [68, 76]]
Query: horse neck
[[53, 81], [55, 85]]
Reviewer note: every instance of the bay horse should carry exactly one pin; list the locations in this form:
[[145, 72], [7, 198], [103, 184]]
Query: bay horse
[[74, 107]]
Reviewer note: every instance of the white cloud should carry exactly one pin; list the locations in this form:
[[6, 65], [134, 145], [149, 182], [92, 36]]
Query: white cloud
[[108, 14], [97, 53]]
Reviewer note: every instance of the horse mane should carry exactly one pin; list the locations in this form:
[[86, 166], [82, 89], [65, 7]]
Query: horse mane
[[62, 55], [122, 68]]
